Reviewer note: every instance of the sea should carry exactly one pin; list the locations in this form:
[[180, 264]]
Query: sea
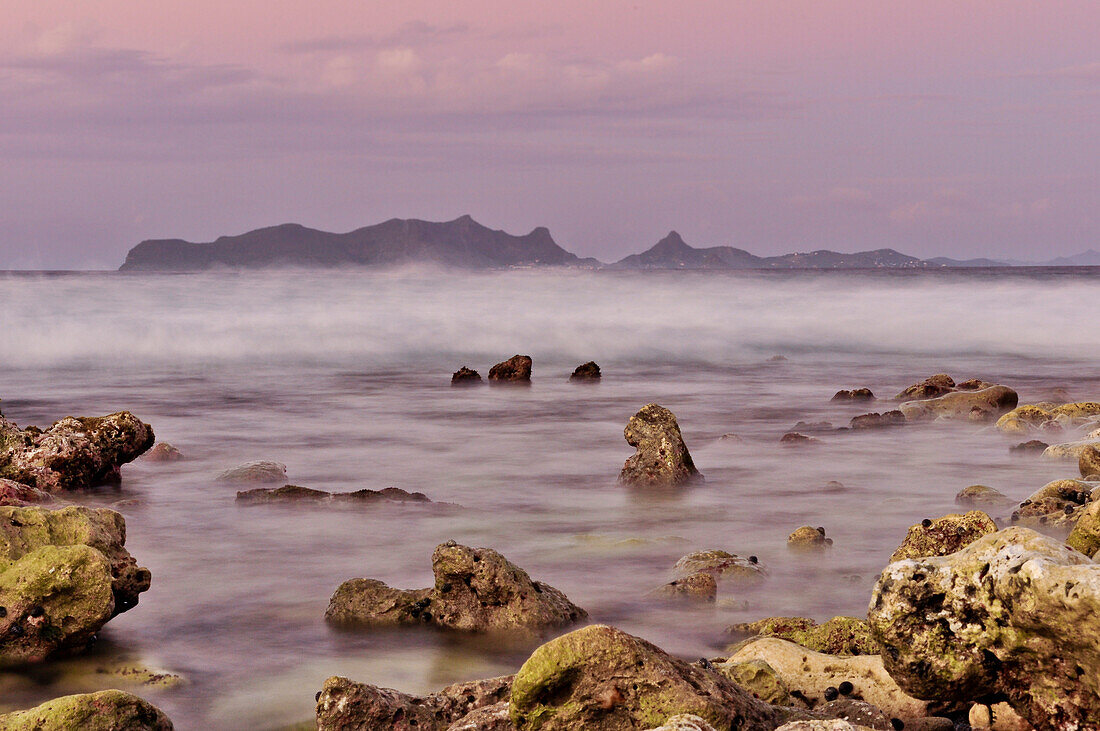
[[344, 377]]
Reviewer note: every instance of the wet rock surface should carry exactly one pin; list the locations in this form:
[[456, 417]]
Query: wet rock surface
[[162, 452], [982, 496], [296, 494], [722, 565], [466, 377], [809, 539], [982, 405], [586, 372], [601, 678], [476, 590], [1045, 415], [1055, 505], [662, 458], [699, 587], [1010, 616], [257, 471], [877, 421], [838, 636], [74, 453], [108, 710], [17, 494], [516, 369], [1032, 446], [931, 387], [944, 535], [855, 394], [1088, 462]]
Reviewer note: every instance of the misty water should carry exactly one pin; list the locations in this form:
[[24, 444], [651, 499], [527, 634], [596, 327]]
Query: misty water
[[344, 377]]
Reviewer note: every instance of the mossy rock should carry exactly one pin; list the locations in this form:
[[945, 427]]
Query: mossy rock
[[107, 710], [944, 535], [760, 679], [838, 636]]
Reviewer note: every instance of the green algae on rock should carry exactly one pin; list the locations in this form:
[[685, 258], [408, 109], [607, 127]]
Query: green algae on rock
[[944, 535], [107, 710], [838, 636], [662, 458], [603, 679], [476, 590], [759, 678], [74, 453], [1014, 615], [1085, 536]]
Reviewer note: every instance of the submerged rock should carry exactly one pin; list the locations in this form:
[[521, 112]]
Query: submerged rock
[[930, 387], [516, 369], [107, 710], [838, 636], [296, 493], [982, 496], [662, 458], [722, 565], [877, 421], [1014, 615], [795, 439], [343, 704], [856, 394], [980, 405], [586, 372], [74, 453], [63, 574], [602, 679], [162, 452], [697, 587], [476, 590], [944, 535], [1067, 450], [808, 538], [16, 494], [259, 471], [465, 377], [1033, 446]]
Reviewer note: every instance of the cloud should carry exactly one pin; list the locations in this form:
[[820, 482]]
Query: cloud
[[415, 33], [840, 198]]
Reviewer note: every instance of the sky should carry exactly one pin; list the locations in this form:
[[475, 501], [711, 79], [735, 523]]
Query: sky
[[935, 127]]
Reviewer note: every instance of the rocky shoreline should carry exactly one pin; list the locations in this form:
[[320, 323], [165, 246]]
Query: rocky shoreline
[[981, 619]]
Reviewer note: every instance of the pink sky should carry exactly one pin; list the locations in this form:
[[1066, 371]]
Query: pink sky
[[937, 128]]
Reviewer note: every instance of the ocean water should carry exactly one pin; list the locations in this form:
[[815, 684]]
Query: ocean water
[[344, 377]]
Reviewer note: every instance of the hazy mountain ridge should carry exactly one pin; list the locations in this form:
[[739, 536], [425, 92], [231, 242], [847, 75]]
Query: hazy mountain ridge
[[464, 243]]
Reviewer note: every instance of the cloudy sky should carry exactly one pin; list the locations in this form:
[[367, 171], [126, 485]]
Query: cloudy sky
[[936, 127]]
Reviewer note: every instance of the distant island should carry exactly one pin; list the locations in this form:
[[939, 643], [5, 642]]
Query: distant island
[[466, 244]]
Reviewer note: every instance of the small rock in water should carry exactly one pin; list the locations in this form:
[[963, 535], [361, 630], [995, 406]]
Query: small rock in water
[[722, 565], [466, 377], [516, 369], [982, 496], [778, 359], [1030, 447], [662, 458], [945, 535], [877, 421], [808, 538], [731, 437], [162, 452], [855, 394], [981, 405], [586, 372], [296, 493], [259, 471], [794, 439], [931, 387], [697, 587]]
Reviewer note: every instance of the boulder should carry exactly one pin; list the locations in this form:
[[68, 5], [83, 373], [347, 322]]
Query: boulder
[[856, 394], [1068, 450], [1056, 504], [838, 636], [814, 676], [16, 494], [476, 590], [516, 369], [74, 453], [1028, 417], [877, 421], [602, 679], [1088, 462], [258, 471], [466, 377], [794, 439], [723, 566], [162, 452], [662, 458], [1014, 615], [1032, 446], [343, 705], [298, 494], [107, 710], [808, 538], [982, 496], [586, 372], [980, 405], [1085, 536], [697, 587], [930, 387], [944, 535]]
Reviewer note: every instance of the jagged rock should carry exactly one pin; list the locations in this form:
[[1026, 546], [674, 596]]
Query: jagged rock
[[856, 394], [343, 705], [476, 590], [162, 452], [602, 679], [465, 377], [877, 421], [944, 535], [662, 458], [1014, 615], [974, 405], [982, 496], [107, 710], [1031, 446], [586, 372], [930, 387], [685, 722], [808, 538], [259, 471], [697, 587], [838, 636], [810, 675], [17, 494], [794, 439], [516, 369], [1088, 461], [1054, 505], [722, 565], [296, 493], [74, 453], [63, 574]]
